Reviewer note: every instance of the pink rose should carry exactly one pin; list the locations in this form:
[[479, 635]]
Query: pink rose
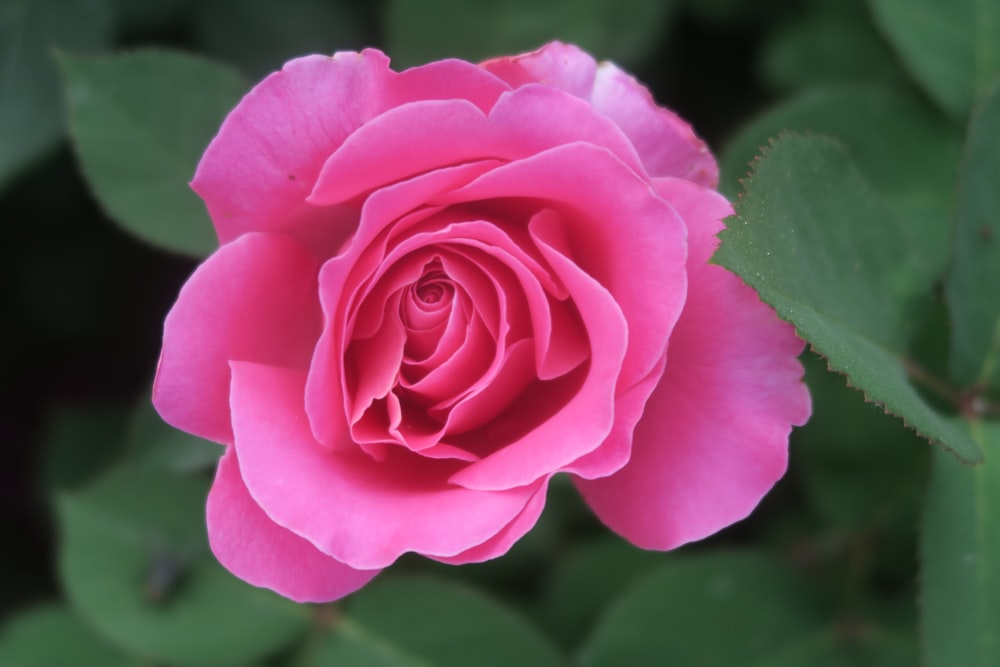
[[438, 288]]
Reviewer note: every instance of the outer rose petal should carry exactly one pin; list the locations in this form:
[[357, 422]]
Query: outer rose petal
[[714, 437], [260, 168], [614, 452], [500, 543], [563, 66], [666, 144], [262, 553], [254, 299], [362, 512], [443, 133]]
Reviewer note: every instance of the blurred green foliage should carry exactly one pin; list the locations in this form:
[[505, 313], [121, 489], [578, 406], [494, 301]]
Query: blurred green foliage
[[102, 504]]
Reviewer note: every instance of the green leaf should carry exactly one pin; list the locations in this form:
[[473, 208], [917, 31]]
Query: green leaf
[[258, 39], [972, 299], [960, 559], [860, 468], [816, 243], [140, 122], [621, 31], [904, 148], [53, 635], [31, 112], [135, 562], [156, 444], [744, 609], [831, 42], [410, 622], [589, 578], [951, 48]]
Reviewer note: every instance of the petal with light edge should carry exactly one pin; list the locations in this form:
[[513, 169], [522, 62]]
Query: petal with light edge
[[714, 436], [254, 299], [254, 548], [364, 513]]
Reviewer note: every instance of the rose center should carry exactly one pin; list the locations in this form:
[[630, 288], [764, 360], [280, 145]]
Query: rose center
[[430, 293], [426, 309]]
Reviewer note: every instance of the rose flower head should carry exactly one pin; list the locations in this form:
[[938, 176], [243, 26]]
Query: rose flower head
[[437, 288]]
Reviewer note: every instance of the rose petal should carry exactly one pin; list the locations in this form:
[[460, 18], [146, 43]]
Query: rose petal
[[259, 169], [615, 451], [501, 543], [439, 134], [665, 143], [448, 79], [425, 350], [520, 278], [583, 423], [540, 116], [262, 553], [556, 64], [515, 373], [362, 512], [253, 299], [691, 472], [339, 278], [372, 364], [620, 231], [471, 360], [403, 142]]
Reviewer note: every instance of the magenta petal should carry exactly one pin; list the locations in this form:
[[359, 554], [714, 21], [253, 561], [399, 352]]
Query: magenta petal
[[259, 169], [714, 437], [515, 373], [666, 143], [615, 451], [339, 280], [254, 299], [501, 543], [582, 424], [435, 134], [374, 363], [364, 513], [448, 79], [537, 117], [443, 133], [262, 553], [630, 240], [562, 66]]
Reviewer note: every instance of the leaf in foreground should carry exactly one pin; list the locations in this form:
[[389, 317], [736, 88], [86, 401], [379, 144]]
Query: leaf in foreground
[[816, 242], [904, 147]]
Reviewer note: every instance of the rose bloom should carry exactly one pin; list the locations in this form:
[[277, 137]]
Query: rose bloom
[[436, 289]]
